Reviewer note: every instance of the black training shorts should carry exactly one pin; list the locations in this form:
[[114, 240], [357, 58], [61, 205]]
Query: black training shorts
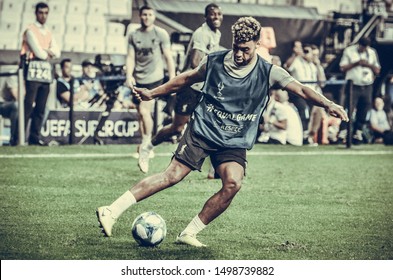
[[186, 101], [192, 151]]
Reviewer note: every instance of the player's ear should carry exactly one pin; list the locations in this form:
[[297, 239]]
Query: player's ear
[[258, 44]]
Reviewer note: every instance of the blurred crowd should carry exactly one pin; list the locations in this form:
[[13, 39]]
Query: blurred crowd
[[372, 117], [287, 119]]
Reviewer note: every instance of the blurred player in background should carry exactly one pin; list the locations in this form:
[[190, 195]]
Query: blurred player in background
[[147, 46], [205, 40]]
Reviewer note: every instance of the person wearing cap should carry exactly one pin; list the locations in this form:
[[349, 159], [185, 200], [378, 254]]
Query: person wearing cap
[[92, 84]]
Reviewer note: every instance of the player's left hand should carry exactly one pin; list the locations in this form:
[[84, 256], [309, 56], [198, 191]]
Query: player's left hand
[[142, 94], [338, 112]]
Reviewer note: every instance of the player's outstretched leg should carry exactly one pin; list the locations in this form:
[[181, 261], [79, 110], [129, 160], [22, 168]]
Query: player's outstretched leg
[[108, 215]]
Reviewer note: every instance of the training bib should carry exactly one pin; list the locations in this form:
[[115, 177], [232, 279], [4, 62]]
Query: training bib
[[229, 113], [39, 71]]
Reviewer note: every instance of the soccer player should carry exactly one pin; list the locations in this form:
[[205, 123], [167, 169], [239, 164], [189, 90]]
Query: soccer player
[[205, 40], [223, 126], [148, 47]]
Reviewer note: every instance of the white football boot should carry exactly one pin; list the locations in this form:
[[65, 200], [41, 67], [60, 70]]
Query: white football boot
[[143, 161], [188, 239], [105, 219]]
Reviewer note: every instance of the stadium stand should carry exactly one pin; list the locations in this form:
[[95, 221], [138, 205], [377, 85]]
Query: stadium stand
[[77, 7], [57, 9], [30, 5], [8, 29], [86, 28], [74, 23], [12, 7], [98, 8], [119, 7], [8, 41]]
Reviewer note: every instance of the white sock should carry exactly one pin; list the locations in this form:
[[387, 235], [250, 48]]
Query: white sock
[[122, 204], [150, 146], [194, 227], [146, 139]]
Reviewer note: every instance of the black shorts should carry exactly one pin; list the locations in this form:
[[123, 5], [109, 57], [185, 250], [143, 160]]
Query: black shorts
[[192, 151], [186, 101], [148, 86]]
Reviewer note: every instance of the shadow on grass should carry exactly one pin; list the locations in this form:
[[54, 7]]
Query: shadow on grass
[[165, 251]]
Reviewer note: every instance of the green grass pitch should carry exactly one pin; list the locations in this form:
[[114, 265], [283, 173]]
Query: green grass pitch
[[296, 203]]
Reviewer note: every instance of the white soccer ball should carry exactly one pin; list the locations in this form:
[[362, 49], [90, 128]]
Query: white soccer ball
[[149, 229]]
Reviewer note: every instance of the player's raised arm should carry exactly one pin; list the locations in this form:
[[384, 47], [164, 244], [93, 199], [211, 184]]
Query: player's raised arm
[[184, 79], [318, 99]]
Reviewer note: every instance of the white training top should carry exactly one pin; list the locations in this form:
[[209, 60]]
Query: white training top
[[361, 76]]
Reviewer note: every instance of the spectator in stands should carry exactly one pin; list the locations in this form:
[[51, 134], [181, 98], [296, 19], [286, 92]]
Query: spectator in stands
[[205, 40], [315, 58], [360, 64], [318, 114], [90, 82], [9, 105], [67, 83], [379, 123], [124, 99], [282, 125], [297, 51], [147, 46], [300, 65], [266, 43], [38, 48]]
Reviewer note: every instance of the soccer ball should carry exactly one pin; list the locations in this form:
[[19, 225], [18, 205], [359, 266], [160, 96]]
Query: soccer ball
[[149, 229]]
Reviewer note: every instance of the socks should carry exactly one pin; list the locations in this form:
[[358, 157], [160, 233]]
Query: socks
[[122, 204], [146, 140], [194, 227], [150, 146]]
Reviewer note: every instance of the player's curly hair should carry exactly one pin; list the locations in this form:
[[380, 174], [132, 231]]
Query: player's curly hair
[[246, 29]]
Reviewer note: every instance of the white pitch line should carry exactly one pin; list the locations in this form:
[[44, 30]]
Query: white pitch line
[[317, 153], [93, 155], [135, 155]]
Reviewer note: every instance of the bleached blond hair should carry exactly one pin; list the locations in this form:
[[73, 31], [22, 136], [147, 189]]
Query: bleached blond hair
[[246, 29]]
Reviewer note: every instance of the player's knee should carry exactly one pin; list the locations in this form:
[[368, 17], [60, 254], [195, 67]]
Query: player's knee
[[232, 185]]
